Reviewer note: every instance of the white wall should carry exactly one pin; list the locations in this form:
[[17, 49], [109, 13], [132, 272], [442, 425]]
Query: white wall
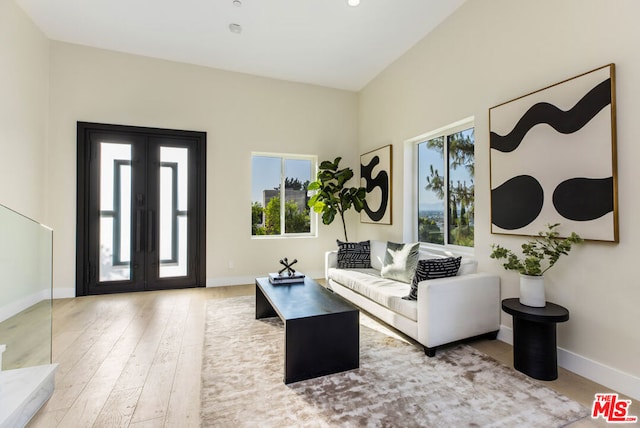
[[24, 80], [489, 52], [240, 114]]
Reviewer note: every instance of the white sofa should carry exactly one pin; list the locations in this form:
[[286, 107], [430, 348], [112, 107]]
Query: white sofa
[[447, 310]]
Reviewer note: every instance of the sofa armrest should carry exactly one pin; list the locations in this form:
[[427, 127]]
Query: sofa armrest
[[330, 261], [455, 308]]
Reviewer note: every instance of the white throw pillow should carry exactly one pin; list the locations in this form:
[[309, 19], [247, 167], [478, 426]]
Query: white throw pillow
[[400, 261]]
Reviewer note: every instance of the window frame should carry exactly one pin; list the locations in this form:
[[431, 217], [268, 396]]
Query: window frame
[[410, 226], [313, 217]]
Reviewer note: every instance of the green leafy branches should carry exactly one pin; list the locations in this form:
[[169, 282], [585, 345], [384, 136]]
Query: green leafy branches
[[547, 245], [332, 197]]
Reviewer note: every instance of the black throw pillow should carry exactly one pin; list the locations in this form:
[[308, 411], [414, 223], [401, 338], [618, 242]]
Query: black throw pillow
[[354, 255], [433, 269]]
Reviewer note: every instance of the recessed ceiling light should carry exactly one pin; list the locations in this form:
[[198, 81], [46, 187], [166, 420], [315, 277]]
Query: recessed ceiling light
[[235, 28], [353, 2], [237, 3]]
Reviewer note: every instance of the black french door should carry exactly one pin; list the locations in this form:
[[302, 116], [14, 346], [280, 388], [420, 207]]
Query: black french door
[[141, 209]]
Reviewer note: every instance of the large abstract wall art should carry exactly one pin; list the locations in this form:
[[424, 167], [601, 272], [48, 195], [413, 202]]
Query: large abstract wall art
[[375, 177], [553, 159]]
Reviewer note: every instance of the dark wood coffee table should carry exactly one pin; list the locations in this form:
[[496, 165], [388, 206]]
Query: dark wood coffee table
[[321, 329]]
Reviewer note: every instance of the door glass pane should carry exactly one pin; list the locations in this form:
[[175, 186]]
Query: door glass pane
[[125, 210], [172, 227], [431, 191], [115, 212]]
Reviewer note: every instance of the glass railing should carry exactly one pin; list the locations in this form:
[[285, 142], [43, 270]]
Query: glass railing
[[25, 291]]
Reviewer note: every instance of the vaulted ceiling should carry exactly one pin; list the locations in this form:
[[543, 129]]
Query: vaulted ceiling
[[322, 42]]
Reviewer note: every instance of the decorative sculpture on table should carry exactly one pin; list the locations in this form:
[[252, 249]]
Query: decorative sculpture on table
[[287, 274], [287, 266]]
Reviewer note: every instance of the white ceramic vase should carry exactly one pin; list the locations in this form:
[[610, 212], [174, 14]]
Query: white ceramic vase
[[532, 291]]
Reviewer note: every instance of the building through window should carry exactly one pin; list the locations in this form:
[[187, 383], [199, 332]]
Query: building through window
[[279, 194]]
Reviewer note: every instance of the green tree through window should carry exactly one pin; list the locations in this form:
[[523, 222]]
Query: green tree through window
[[271, 206], [446, 199]]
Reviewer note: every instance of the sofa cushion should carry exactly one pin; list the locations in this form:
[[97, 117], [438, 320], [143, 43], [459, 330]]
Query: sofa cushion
[[433, 269], [467, 266], [354, 254], [400, 261], [386, 292]]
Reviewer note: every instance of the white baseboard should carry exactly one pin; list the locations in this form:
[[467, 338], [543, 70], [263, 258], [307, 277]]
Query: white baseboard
[[230, 280], [10, 309], [243, 280], [610, 377], [64, 293]]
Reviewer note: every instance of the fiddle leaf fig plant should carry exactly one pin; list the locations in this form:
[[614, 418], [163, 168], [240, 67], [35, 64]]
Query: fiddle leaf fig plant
[[332, 197], [538, 254]]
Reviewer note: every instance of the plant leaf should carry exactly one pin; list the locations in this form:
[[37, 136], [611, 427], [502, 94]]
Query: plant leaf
[[328, 216]]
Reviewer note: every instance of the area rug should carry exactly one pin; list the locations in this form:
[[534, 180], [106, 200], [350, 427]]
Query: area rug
[[396, 384]]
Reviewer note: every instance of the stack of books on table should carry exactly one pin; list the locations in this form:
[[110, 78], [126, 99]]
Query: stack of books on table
[[284, 278]]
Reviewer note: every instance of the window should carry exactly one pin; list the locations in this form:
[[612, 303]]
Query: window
[[445, 185], [270, 210]]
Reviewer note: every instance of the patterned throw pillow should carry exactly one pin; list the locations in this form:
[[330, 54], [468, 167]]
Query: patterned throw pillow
[[354, 255], [433, 269], [400, 261]]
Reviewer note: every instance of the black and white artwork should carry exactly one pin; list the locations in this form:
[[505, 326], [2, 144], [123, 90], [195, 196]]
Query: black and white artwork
[[553, 159], [375, 177]]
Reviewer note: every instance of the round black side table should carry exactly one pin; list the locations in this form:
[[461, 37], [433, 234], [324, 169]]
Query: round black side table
[[535, 350]]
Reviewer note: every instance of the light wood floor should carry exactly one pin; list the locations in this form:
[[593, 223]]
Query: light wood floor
[[28, 337], [134, 360]]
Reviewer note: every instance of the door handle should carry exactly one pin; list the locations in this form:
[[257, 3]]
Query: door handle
[[151, 235], [139, 230]]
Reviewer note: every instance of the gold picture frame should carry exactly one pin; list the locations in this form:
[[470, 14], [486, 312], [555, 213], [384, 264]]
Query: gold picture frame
[[553, 159]]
